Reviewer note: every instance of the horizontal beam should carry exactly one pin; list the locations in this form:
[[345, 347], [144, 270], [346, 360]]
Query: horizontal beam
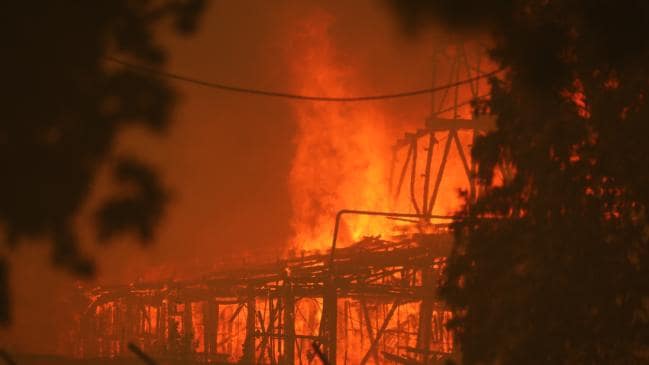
[[483, 123]]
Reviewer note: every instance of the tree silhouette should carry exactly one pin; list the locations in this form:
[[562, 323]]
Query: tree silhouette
[[552, 265], [62, 108]]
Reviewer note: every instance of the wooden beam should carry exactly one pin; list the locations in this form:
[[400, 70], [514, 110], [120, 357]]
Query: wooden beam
[[379, 334], [370, 331], [484, 123]]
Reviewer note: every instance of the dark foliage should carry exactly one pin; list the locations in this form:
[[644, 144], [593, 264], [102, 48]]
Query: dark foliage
[[552, 267], [63, 106]]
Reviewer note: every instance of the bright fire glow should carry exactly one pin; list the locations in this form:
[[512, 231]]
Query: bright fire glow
[[341, 149]]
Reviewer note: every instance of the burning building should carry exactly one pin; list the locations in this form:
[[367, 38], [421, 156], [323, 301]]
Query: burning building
[[362, 293]]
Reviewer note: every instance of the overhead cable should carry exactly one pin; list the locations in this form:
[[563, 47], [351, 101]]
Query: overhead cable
[[338, 99]]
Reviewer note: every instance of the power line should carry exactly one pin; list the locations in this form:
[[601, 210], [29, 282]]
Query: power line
[[466, 102], [278, 94]]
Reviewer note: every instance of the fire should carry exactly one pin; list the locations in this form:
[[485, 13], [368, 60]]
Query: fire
[[344, 159], [341, 149], [343, 154]]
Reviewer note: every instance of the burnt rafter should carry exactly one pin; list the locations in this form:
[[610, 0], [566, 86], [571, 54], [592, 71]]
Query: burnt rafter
[[373, 271]]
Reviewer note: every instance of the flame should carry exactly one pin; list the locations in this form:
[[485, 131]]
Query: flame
[[341, 149], [343, 155], [343, 160]]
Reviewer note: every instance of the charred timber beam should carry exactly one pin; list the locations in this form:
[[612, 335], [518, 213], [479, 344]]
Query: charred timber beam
[[370, 331], [425, 315], [440, 172], [188, 327], [379, 334], [210, 332], [289, 323], [162, 324], [429, 157], [267, 343], [413, 174], [346, 286], [402, 175], [329, 322], [249, 342], [266, 332], [483, 123], [460, 149]]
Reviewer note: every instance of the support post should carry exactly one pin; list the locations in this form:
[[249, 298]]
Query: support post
[[365, 313], [429, 157], [162, 326], [330, 318], [249, 344], [289, 322], [413, 176], [188, 328], [440, 173], [210, 315], [172, 325], [425, 315], [402, 175]]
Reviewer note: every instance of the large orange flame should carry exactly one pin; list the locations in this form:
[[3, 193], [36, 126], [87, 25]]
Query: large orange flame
[[341, 149]]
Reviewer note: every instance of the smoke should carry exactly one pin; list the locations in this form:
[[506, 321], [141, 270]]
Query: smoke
[[250, 176]]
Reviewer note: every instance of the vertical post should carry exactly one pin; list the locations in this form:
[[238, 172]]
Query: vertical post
[[249, 344], [121, 323], [425, 315], [210, 320], [402, 175], [379, 333], [162, 325], [440, 173], [365, 313], [289, 322], [474, 168], [429, 157], [346, 331], [330, 318], [172, 325], [88, 334], [188, 328], [413, 176]]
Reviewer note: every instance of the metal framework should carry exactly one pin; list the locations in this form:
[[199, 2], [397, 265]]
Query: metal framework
[[371, 302]]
